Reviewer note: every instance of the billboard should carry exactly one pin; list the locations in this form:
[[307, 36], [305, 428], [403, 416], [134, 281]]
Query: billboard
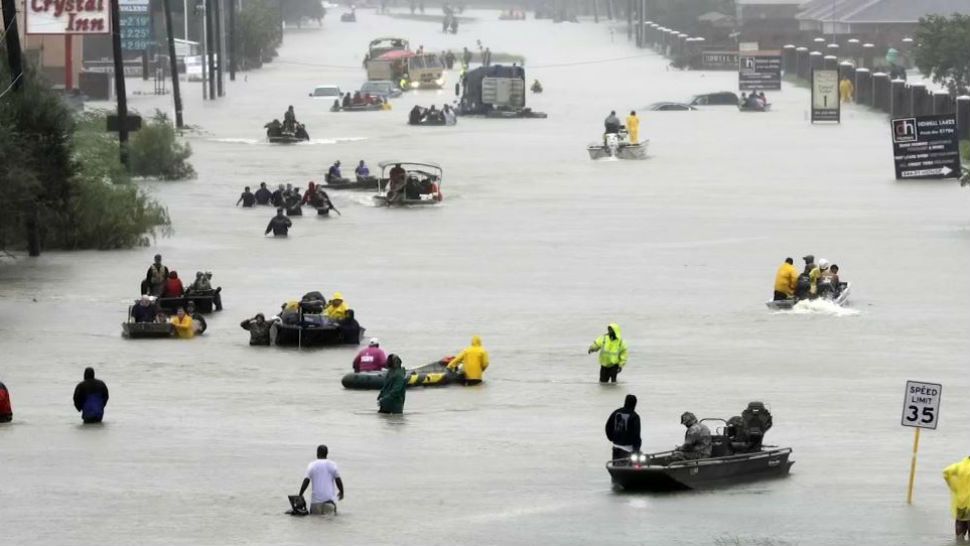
[[67, 16], [825, 96], [136, 25], [719, 60], [759, 71], [926, 147]]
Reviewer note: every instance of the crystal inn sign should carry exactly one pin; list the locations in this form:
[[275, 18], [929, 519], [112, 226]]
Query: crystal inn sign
[[67, 16]]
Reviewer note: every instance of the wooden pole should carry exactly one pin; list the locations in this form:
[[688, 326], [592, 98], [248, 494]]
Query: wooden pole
[[232, 40], [121, 94], [912, 468], [210, 53], [173, 63], [220, 54]]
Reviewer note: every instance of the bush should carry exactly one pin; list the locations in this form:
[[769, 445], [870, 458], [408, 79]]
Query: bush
[[259, 33], [965, 150], [155, 151]]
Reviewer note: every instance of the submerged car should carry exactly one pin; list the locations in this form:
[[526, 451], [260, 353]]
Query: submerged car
[[326, 92], [380, 88], [669, 106], [721, 98]]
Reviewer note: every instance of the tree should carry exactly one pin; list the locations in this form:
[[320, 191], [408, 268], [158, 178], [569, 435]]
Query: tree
[[294, 11], [942, 45], [259, 33]]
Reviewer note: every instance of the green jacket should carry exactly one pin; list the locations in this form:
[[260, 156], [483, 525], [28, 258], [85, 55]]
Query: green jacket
[[612, 351], [391, 398]]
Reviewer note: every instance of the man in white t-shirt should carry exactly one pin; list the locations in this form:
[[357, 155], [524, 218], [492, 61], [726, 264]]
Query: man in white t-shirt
[[324, 475]]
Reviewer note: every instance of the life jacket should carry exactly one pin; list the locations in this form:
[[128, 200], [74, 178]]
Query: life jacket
[[159, 274]]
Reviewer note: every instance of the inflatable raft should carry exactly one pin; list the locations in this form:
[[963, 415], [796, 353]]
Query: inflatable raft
[[435, 374]]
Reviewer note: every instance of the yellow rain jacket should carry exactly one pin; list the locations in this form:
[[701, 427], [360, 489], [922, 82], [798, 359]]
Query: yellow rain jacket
[[957, 477], [633, 128], [813, 276], [846, 90], [612, 351], [183, 328], [474, 359], [336, 312], [786, 279]]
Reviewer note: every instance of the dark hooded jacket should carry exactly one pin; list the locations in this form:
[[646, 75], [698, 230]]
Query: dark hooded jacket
[[623, 426], [391, 398], [90, 397]]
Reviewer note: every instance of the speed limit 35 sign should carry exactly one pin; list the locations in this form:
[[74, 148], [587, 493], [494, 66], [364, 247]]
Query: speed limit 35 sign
[[921, 404]]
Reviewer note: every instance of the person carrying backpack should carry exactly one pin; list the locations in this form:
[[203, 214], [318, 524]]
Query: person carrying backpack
[[90, 397], [623, 429]]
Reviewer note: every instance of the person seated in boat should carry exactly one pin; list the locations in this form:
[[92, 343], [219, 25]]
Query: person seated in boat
[[173, 286], [368, 99], [301, 133], [248, 199], [202, 285], [371, 359], [836, 282], [337, 309], [762, 98], [612, 123], [263, 195], [417, 113], [350, 328], [289, 120], [274, 128], [827, 284], [361, 171], [258, 328], [279, 225], [473, 360], [198, 321], [160, 317], [743, 101], [396, 184], [333, 174], [182, 323], [346, 101], [358, 99], [786, 280], [697, 440], [276, 198], [623, 429], [536, 87], [143, 311], [806, 286]]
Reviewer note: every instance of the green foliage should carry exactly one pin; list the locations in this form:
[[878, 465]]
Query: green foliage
[[941, 50], [259, 33], [965, 150], [294, 11], [156, 152], [682, 15]]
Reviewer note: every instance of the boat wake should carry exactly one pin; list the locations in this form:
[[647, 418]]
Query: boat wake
[[820, 307]]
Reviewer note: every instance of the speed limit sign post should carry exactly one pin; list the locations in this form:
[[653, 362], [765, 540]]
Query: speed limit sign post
[[921, 409]]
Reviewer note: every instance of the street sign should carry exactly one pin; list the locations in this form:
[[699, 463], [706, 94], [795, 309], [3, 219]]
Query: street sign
[[719, 60], [759, 71], [134, 123], [921, 404], [926, 147], [825, 96]]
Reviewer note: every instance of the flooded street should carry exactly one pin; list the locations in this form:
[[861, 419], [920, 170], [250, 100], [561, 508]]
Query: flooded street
[[535, 248]]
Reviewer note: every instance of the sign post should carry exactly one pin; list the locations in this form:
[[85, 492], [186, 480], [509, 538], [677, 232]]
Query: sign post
[[926, 147], [921, 409], [825, 96], [759, 71]]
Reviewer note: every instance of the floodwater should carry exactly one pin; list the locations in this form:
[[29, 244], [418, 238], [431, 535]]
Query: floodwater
[[535, 248]]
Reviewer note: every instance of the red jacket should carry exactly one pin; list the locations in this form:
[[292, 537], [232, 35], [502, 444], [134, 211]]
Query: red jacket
[[5, 412], [173, 288]]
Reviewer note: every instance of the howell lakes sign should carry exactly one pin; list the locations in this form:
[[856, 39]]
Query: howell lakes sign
[[68, 16]]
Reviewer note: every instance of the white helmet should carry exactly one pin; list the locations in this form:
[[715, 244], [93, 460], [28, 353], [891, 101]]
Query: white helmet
[[823, 264]]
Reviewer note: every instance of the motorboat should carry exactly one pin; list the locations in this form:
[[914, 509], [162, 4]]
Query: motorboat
[[435, 374], [754, 108], [615, 146], [372, 107], [349, 17], [421, 184], [841, 299], [204, 302], [657, 472], [278, 135], [737, 455], [361, 183]]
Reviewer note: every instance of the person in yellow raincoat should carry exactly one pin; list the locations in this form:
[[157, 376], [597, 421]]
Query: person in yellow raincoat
[[633, 127], [613, 352], [474, 361], [786, 279], [957, 477], [846, 90], [182, 323], [337, 308]]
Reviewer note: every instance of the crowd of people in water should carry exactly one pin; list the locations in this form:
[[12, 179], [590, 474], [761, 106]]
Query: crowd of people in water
[[816, 280], [361, 100], [755, 101], [446, 115]]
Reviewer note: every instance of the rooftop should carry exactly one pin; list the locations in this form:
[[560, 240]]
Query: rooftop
[[879, 11]]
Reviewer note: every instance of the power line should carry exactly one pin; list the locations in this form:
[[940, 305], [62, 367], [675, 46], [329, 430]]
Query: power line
[[9, 87]]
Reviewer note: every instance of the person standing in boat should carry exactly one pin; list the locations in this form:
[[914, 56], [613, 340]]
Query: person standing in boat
[[786, 280], [474, 361], [90, 397], [247, 198], [623, 429], [697, 440], [393, 392], [370, 359], [279, 224], [156, 277], [957, 478], [633, 127], [289, 120], [613, 353], [612, 123]]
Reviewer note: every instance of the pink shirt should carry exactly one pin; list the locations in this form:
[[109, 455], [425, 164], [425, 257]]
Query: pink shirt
[[371, 359]]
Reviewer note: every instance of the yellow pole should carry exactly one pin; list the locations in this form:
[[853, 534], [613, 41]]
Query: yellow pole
[[912, 468]]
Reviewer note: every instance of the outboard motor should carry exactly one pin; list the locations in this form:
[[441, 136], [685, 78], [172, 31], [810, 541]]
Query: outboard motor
[[612, 143], [756, 421]]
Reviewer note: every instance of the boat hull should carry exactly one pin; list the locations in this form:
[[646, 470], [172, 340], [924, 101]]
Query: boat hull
[[786, 305], [369, 183], [702, 473], [204, 303], [327, 335], [146, 330], [435, 374], [624, 151]]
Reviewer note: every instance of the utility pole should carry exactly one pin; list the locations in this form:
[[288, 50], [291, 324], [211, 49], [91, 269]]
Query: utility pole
[[15, 57], [210, 54], [173, 63], [120, 92], [200, 10], [220, 52], [629, 19], [596, 12], [232, 40], [640, 21]]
